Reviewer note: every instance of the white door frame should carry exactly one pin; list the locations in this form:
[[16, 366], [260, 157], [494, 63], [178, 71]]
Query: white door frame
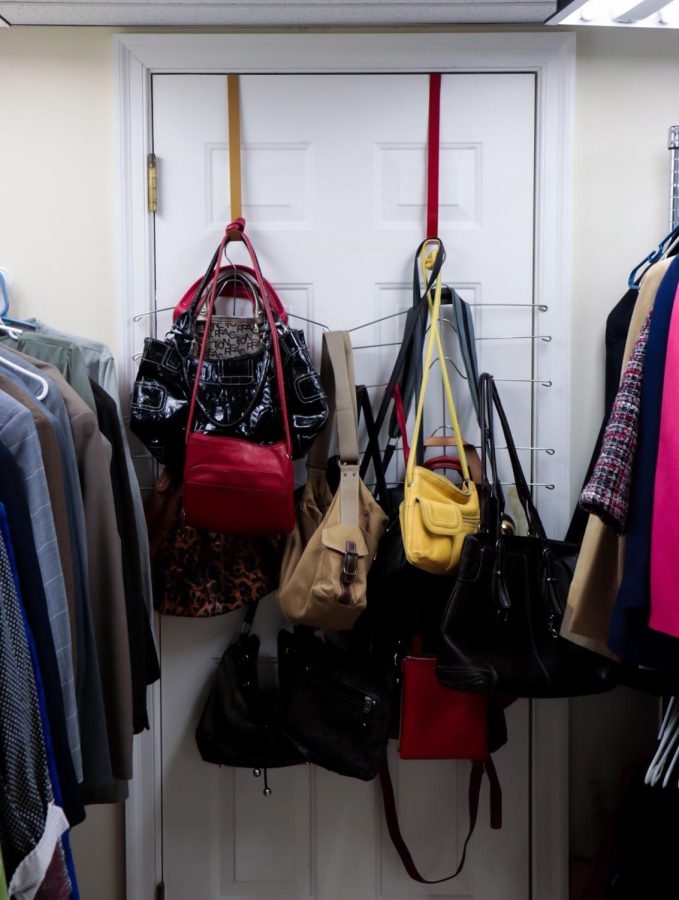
[[552, 58]]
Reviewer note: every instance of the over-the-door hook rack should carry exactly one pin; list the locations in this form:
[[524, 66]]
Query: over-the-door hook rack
[[154, 312], [517, 337]]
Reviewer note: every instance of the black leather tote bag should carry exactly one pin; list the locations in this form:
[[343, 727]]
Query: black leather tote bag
[[501, 625]]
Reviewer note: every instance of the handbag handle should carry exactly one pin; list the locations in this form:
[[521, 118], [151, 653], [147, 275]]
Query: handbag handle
[[435, 338], [236, 277], [337, 377], [409, 355], [475, 780], [493, 403], [493, 499], [464, 326], [372, 450], [238, 228], [535, 526], [400, 413], [195, 291], [452, 462]]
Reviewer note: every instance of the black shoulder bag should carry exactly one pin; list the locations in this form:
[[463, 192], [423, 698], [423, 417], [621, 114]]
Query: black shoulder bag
[[501, 625], [240, 723]]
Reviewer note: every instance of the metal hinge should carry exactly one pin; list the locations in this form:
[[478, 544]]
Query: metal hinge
[[152, 182], [160, 891]]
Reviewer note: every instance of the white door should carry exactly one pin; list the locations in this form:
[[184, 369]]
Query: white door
[[334, 187]]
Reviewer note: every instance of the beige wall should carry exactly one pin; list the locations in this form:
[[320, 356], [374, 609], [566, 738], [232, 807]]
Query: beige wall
[[57, 235], [626, 99], [57, 224]]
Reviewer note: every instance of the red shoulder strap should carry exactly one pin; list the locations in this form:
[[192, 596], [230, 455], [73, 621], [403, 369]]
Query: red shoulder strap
[[475, 780]]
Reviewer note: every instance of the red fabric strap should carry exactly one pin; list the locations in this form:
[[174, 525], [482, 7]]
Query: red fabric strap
[[401, 419], [433, 155], [475, 780]]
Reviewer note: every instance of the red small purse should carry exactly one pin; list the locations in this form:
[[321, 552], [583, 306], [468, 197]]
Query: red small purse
[[437, 722], [231, 485]]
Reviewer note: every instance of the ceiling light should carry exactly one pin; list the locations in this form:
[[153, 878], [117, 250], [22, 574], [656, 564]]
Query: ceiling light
[[625, 13]]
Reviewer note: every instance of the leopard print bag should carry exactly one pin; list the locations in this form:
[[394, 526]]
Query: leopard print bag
[[197, 573]]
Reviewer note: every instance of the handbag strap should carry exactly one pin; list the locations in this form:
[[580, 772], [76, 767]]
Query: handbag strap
[[372, 450], [400, 413], [435, 338], [492, 499], [238, 277], [411, 373], [337, 376], [238, 228], [535, 526], [475, 781], [194, 293], [452, 462], [464, 326], [409, 351]]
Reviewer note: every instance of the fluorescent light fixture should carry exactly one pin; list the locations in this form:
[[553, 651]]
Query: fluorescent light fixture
[[639, 13]]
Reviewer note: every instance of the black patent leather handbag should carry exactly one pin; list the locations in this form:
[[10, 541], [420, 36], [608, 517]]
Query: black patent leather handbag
[[501, 626], [237, 396]]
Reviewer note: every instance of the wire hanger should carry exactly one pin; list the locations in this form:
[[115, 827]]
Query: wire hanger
[[44, 386], [232, 276], [452, 362]]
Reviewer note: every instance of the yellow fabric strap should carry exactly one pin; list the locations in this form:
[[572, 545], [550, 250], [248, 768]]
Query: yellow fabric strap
[[233, 87], [448, 389], [435, 338]]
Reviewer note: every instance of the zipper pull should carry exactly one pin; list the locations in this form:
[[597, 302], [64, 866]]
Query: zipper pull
[[368, 705]]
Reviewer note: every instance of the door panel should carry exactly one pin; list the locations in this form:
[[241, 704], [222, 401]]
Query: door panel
[[334, 195]]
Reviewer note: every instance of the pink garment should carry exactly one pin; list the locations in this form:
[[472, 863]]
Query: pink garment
[[665, 532], [56, 885]]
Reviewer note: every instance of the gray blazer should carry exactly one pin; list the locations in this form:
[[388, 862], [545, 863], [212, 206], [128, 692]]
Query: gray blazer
[[18, 433], [107, 594]]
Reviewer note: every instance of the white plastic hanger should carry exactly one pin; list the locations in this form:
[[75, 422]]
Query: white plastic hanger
[[13, 332], [44, 386], [668, 738]]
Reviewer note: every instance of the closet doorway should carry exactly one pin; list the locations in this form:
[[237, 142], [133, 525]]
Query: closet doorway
[[334, 175]]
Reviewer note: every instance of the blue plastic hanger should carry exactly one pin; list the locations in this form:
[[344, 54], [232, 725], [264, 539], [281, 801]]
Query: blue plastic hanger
[[5, 308], [652, 257], [5, 296]]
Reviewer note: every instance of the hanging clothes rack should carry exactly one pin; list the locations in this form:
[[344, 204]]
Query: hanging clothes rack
[[673, 147]]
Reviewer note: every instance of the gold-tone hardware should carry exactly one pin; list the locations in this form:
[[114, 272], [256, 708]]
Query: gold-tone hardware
[[152, 182], [507, 525]]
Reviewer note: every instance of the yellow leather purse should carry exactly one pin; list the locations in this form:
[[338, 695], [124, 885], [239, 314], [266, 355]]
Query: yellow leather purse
[[436, 514]]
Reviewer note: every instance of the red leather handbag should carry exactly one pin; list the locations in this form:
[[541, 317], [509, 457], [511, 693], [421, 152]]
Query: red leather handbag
[[437, 722], [231, 485]]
